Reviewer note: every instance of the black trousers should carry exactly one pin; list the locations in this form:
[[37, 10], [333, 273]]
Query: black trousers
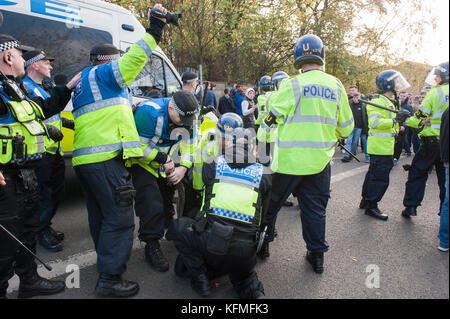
[[238, 262], [50, 175], [377, 178], [152, 198], [19, 214], [427, 157], [108, 193], [313, 192]]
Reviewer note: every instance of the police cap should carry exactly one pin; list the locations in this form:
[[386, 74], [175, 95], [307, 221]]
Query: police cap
[[35, 56], [185, 104], [8, 42], [189, 77], [104, 52]]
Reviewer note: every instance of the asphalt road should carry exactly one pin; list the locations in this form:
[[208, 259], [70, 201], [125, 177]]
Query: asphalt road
[[368, 258]]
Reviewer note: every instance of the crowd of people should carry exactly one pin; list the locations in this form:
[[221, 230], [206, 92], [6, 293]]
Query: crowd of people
[[236, 169]]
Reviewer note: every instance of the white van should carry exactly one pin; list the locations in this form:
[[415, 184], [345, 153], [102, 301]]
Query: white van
[[67, 30]]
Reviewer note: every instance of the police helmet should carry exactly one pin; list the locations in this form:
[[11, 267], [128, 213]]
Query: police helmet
[[391, 80], [277, 77], [229, 122], [441, 70], [309, 49], [265, 83]]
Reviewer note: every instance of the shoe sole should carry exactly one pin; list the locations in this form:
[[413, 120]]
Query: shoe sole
[[24, 295], [445, 250], [156, 267], [102, 292]]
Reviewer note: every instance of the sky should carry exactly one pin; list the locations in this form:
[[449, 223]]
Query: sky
[[436, 43]]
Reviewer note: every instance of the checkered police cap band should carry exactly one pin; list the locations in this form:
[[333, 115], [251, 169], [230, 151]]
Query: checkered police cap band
[[38, 57], [179, 111], [8, 45], [106, 57]]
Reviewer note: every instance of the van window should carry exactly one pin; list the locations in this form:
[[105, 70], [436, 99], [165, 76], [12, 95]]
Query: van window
[[150, 81], [69, 46], [173, 85]]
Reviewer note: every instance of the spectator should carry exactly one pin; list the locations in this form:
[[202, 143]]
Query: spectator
[[210, 97], [226, 104], [405, 103], [352, 90], [360, 118], [248, 109], [238, 98]]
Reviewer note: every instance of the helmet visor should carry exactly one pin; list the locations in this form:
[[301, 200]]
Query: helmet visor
[[400, 82], [431, 77]]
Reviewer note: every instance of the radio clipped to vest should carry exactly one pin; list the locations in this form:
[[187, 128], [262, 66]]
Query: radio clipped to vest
[[11, 88], [19, 148]]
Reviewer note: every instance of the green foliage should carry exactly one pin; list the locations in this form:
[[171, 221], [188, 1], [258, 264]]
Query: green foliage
[[242, 40]]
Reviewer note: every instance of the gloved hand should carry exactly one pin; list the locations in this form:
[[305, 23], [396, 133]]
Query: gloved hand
[[401, 117], [54, 133], [70, 124]]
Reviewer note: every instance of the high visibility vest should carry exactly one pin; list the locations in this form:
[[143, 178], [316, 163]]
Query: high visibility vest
[[261, 107], [22, 119], [207, 148], [382, 129], [104, 122], [312, 112], [236, 193], [265, 133], [433, 105], [152, 121], [36, 90]]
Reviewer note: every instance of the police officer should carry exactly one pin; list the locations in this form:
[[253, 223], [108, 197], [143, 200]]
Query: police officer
[[190, 82], [312, 112], [22, 147], [212, 144], [223, 239], [50, 172], [429, 117], [265, 86], [155, 121], [105, 135], [383, 127]]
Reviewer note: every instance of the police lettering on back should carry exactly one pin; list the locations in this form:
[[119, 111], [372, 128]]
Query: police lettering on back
[[319, 91]]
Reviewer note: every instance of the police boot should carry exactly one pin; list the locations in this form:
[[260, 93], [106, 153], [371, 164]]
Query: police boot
[[316, 260], [409, 211], [115, 286], [372, 210], [264, 251], [57, 234], [200, 284], [47, 240], [155, 257], [38, 286]]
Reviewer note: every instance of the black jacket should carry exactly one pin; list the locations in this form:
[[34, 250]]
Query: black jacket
[[444, 137]]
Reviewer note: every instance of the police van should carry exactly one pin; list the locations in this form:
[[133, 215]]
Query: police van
[[67, 30]]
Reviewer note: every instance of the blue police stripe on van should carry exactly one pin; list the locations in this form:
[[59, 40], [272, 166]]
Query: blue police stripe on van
[[319, 91], [7, 3], [65, 11]]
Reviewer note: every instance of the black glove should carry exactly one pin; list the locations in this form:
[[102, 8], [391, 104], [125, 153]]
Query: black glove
[[54, 133], [401, 117], [70, 124]]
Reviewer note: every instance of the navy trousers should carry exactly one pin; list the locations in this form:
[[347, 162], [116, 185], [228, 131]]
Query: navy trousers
[[108, 191], [377, 178], [427, 157], [313, 192], [50, 175], [19, 215], [149, 204]]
